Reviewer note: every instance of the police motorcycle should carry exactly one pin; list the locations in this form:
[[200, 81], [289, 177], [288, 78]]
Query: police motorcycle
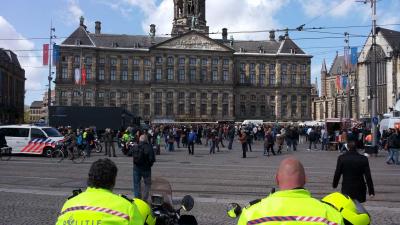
[[161, 210], [352, 211]]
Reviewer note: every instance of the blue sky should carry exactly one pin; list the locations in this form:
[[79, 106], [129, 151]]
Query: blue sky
[[31, 19]]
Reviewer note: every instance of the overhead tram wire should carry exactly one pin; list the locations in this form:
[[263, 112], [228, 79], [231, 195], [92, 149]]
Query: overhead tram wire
[[300, 28]]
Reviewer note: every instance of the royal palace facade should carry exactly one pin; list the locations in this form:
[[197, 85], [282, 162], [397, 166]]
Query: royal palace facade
[[187, 76]]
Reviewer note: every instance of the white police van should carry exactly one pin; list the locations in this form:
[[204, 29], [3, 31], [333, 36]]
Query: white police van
[[31, 139]]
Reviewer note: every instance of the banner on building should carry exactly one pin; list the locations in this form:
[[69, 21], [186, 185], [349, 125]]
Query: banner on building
[[344, 82], [45, 54], [77, 76], [338, 83], [83, 73], [347, 65], [354, 55], [56, 54]]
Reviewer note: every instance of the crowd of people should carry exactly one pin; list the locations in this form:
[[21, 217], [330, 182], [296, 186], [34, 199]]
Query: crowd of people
[[275, 138]]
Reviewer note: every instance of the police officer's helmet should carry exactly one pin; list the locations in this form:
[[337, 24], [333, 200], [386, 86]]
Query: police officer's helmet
[[145, 211], [352, 211]]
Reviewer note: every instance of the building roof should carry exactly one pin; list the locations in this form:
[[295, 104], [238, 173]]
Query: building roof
[[9, 56], [125, 41], [338, 66], [37, 104], [391, 36], [270, 47], [284, 46], [323, 68]]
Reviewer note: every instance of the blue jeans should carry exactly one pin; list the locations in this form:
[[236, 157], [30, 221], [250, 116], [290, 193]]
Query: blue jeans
[[393, 156], [138, 174]]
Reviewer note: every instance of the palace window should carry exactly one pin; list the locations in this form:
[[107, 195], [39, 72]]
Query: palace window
[[112, 73], [147, 75], [170, 109], [225, 109], [203, 74], [181, 109], [225, 75], [226, 62], [181, 74], [159, 60], [88, 72], [136, 75], [192, 74], [170, 61], [136, 62], [125, 62], [170, 75], [124, 75], [113, 62], [192, 61], [101, 74], [215, 61], [64, 72], [215, 75], [158, 74], [181, 61], [203, 109]]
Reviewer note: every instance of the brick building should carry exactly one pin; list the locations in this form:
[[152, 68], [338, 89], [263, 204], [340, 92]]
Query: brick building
[[12, 88], [187, 76]]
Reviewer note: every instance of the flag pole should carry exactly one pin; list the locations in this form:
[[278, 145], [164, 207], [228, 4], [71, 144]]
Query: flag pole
[[80, 72], [52, 29]]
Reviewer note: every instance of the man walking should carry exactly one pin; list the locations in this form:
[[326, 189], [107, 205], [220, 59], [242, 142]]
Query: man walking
[[143, 160], [191, 139], [108, 142], [356, 172], [231, 136], [394, 146], [243, 141]]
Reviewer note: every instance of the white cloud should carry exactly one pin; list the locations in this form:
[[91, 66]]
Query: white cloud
[[236, 15], [72, 13], [332, 8], [35, 77]]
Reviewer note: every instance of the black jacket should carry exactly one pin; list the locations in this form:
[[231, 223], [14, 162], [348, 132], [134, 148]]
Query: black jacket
[[356, 175], [149, 156]]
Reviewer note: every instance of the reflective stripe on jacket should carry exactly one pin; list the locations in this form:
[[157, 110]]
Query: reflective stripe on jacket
[[99, 206], [290, 207]]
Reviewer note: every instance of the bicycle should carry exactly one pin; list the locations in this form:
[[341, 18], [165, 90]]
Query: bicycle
[[5, 153], [77, 155]]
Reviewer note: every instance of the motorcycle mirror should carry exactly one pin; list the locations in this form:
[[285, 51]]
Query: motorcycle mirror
[[233, 210], [187, 203]]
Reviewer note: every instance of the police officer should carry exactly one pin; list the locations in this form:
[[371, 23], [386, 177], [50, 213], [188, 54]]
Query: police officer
[[98, 205], [292, 203]]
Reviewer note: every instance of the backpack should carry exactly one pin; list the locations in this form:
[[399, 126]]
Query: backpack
[[140, 157]]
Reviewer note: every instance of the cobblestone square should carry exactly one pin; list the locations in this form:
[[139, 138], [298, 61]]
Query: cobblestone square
[[33, 189]]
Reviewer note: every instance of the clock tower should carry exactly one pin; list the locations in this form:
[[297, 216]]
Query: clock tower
[[189, 15]]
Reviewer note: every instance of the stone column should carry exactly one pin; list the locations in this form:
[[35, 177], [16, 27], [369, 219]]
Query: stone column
[[231, 78], [71, 68], [278, 73], [164, 103], [278, 105], [219, 106], [198, 103], [118, 69], [299, 108], [230, 106], [130, 69], [94, 69]]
